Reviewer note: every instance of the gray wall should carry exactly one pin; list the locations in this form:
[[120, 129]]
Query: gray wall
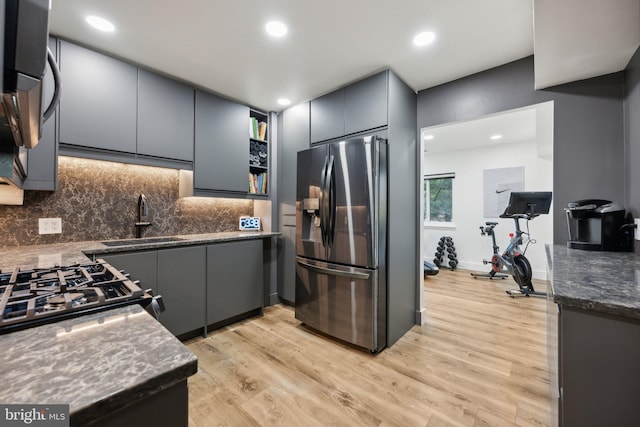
[[632, 133], [588, 134]]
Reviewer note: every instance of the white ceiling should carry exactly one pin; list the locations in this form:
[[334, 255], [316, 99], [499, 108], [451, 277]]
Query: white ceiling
[[513, 127], [528, 124], [579, 39], [222, 46]]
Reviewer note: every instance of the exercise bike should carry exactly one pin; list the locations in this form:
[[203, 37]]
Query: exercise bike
[[522, 205]]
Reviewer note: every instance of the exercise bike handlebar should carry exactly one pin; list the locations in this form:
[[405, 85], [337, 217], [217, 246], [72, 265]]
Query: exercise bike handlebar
[[527, 216]]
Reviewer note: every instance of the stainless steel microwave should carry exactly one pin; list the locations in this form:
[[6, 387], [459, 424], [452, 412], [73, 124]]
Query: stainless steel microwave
[[25, 57]]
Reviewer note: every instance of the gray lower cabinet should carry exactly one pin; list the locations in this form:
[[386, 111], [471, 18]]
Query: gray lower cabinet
[[177, 274], [165, 117], [294, 136], [98, 101], [599, 373], [200, 285], [141, 266], [42, 173], [235, 282], [327, 116], [221, 149], [181, 282], [553, 350], [168, 407], [287, 260]]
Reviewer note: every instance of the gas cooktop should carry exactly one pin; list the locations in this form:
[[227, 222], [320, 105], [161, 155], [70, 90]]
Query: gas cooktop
[[35, 297]]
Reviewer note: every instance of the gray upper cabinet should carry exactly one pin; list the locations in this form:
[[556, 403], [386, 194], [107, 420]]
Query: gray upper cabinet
[[165, 117], [366, 104], [327, 116], [352, 109], [294, 138], [221, 148], [98, 101], [42, 162]]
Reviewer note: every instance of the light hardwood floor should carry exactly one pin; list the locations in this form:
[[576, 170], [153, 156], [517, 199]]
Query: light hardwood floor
[[480, 360]]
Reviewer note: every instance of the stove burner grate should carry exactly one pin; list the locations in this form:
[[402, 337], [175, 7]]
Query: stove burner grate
[[41, 296]]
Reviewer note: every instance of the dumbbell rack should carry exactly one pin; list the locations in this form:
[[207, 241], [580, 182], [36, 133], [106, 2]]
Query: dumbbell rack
[[446, 253]]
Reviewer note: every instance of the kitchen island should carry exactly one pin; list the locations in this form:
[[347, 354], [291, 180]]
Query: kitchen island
[[597, 313], [116, 367]]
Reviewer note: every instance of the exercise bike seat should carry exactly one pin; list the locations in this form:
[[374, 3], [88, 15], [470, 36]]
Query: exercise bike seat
[[491, 223]]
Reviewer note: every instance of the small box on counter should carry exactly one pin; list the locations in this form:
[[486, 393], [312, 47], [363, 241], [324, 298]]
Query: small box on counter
[[249, 223]]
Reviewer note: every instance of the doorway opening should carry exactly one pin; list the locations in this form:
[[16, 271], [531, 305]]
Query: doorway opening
[[489, 157]]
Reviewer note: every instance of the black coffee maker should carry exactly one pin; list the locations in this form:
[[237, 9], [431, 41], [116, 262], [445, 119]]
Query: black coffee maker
[[598, 225]]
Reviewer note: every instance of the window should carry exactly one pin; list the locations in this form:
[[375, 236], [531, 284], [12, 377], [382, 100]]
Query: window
[[438, 199]]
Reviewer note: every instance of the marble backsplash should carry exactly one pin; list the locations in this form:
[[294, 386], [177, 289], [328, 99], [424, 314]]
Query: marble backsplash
[[97, 200]]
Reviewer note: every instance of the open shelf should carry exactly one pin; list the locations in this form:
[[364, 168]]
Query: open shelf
[[258, 152]]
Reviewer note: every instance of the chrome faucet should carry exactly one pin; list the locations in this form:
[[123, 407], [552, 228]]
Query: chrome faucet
[[142, 218]]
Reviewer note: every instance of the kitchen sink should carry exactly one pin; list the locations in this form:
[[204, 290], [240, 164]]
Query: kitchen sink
[[132, 242]]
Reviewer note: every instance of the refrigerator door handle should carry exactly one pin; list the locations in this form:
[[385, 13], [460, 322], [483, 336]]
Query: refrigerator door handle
[[323, 201], [332, 272], [331, 205]]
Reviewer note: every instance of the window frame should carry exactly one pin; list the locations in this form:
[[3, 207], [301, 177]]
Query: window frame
[[427, 209]]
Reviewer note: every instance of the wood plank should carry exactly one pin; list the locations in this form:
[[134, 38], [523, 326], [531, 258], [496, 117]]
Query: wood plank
[[479, 361]]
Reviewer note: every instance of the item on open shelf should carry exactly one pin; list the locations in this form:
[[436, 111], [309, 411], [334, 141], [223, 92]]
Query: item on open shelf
[[257, 154], [262, 130], [257, 129], [258, 183]]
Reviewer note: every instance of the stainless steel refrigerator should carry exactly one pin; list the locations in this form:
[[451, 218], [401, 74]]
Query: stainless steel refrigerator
[[341, 238]]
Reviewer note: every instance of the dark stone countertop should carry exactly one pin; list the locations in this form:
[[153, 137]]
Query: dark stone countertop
[[91, 363], [46, 256], [605, 282]]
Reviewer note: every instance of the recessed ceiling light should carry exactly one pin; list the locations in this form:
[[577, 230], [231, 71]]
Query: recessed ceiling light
[[284, 101], [428, 137], [496, 137], [276, 28], [424, 38], [100, 24]]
